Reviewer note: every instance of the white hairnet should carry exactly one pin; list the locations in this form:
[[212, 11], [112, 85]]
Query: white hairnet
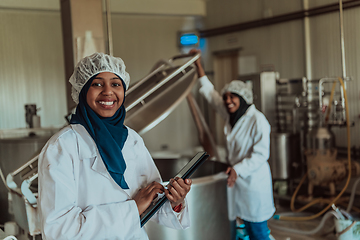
[[95, 64], [240, 88]]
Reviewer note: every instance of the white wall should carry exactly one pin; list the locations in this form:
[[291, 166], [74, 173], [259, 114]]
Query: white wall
[[31, 67]]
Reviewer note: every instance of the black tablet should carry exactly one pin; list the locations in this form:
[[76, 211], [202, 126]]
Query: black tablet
[[184, 173]]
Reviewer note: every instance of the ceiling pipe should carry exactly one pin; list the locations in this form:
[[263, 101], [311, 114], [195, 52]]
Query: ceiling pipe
[[278, 19], [108, 28]]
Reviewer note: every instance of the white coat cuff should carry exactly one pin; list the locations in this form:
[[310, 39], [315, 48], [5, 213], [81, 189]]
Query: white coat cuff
[[205, 82], [240, 170], [183, 205]]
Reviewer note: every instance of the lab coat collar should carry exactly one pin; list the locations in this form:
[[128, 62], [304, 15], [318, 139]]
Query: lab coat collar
[[249, 112], [88, 150], [85, 151]]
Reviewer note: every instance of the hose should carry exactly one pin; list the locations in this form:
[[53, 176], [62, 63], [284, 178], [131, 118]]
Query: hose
[[310, 232], [289, 218], [352, 196]]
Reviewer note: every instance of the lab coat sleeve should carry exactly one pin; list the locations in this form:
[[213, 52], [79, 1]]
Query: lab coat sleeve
[[208, 91], [61, 217], [166, 216], [260, 151]]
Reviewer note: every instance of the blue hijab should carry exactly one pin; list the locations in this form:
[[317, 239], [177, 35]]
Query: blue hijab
[[109, 134]]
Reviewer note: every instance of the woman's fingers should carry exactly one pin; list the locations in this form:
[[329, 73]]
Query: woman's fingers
[[188, 182], [232, 176], [177, 190], [154, 186], [146, 195]]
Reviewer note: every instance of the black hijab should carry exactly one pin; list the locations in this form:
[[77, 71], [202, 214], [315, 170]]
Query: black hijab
[[234, 117]]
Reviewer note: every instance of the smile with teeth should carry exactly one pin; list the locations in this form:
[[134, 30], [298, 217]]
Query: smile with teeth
[[231, 105], [106, 103]]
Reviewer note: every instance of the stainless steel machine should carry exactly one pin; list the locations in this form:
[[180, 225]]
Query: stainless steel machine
[[17, 146], [286, 155], [264, 93]]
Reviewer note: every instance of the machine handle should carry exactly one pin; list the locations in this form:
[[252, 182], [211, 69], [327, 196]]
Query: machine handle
[[180, 69], [186, 55]]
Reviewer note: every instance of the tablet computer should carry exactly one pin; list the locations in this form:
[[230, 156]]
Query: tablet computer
[[184, 173]]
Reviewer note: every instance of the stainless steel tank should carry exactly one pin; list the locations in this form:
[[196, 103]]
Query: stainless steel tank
[[207, 203], [285, 156], [17, 146]]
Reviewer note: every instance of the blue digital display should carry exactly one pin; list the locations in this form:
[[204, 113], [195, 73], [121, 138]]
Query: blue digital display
[[189, 39]]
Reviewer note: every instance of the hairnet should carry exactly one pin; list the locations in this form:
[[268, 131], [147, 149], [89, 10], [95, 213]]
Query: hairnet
[[240, 88], [95, 64]]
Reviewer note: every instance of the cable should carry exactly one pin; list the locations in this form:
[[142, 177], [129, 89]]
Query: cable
[[352, 195]]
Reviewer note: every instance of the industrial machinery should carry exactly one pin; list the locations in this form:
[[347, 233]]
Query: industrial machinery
[[305, 142], [22, 184], [323, 165], [17, 146]]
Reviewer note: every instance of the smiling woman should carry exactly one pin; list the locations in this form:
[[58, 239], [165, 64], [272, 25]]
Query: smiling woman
[[96, 176], [106, 94], [247, 134]]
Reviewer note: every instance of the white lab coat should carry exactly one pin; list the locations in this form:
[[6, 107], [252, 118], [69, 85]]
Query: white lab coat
[[78, 199], [248, 149]]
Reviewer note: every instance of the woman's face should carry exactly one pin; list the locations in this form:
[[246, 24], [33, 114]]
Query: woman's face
[[106, 94], [231, 102]]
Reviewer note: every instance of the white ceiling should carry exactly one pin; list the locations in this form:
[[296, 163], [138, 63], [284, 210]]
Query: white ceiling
[[157, 7]]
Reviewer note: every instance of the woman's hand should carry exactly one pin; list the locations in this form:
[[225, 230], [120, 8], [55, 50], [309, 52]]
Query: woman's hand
[[199, 67], [145, 195], [177, 189], [232, 176]]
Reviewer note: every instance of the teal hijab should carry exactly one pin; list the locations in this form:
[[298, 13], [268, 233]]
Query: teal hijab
[[109, 134]]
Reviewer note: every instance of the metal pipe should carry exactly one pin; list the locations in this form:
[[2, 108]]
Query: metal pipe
[[277, 19], [308, 62], [108, 28], [324, 80], [342, 40], [343, 63]]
